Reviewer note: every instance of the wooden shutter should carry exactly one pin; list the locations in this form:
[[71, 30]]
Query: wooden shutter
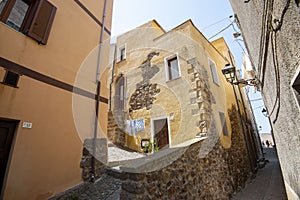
[[42, 21]]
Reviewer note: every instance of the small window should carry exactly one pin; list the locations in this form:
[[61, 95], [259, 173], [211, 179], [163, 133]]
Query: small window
[[31, 17], [223, 123], [11, 79], [17, 14], [122, 53], [214, 72], [172, 68]]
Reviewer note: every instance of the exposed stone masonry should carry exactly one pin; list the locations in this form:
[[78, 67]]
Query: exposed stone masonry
[[187, 178], [201, 95], [143, 97], [115, 133], [86, 160], [217, 176], [237, 155]]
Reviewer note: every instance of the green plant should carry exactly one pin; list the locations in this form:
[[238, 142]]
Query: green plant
[[151, 146]]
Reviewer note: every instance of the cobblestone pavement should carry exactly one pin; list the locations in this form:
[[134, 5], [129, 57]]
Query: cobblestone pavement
[[117, 154], [268, 183], [105, 188]]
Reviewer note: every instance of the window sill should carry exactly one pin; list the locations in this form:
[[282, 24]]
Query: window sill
[[120, 61], [219, 85], [179, 77]]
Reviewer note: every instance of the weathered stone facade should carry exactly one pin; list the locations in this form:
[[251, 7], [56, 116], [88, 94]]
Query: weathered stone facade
[[271, 32], [115, 133], [238, 159], [200, 94], [143, 97]]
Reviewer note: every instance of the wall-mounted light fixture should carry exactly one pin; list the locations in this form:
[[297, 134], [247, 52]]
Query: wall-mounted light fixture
[[230, 74]]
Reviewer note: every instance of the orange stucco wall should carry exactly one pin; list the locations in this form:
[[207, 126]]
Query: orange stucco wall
[[44, 160]]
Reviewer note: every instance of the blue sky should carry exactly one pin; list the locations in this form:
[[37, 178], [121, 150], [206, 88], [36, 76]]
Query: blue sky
[[208, 16]]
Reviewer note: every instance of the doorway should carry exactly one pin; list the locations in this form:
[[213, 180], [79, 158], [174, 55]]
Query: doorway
[[120, 94], [161, 132], [7, 131]]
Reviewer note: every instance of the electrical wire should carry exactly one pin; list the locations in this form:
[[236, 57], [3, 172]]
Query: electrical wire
[[267, 40], [221, 31], [216, 22], [277, 76], [278, 23], [262, 38], [237, 41]]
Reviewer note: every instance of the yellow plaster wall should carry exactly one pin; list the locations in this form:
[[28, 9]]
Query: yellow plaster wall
[[45, 160], [189, 43]]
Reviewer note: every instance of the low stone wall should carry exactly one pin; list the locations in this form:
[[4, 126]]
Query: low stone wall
[[189, 177], [99, 160]]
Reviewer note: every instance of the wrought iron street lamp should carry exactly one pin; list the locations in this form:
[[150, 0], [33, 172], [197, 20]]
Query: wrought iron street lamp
[[229, 73]]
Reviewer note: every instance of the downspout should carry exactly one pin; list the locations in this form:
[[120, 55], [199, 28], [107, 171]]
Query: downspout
[[98, 93]]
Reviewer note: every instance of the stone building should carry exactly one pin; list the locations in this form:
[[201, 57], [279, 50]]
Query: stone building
[[165, 90], [167, 87], [271, 32], [48, 61]]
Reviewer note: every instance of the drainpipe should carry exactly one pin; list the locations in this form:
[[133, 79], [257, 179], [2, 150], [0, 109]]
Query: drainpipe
[[97, 93]]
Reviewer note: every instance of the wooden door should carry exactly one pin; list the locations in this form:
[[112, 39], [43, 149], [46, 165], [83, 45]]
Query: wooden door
[[7, 129], [161, 133]]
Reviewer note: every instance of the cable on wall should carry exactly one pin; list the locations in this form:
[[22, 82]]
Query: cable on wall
[[278, 25]]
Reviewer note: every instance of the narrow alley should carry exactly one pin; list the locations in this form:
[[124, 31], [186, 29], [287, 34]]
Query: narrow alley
[[268, 183]]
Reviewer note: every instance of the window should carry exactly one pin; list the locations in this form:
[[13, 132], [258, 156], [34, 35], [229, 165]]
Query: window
[[223, 123], [31, 17], [172, 68], [214, 72], [122, 53], [11, 79]]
